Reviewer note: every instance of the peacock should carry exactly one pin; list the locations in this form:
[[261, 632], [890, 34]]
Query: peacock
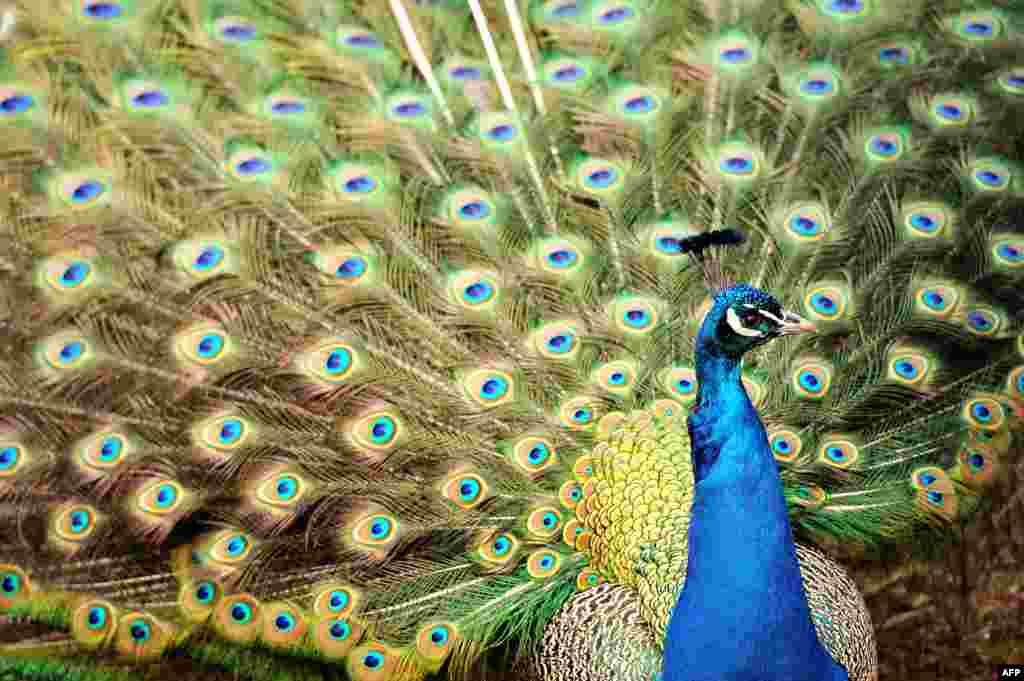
[[384, 339]]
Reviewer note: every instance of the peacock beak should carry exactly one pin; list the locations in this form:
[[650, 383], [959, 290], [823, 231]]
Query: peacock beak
[[792, 324]]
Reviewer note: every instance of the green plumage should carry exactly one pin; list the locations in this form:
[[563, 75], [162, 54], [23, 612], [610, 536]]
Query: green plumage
[[361, 335]]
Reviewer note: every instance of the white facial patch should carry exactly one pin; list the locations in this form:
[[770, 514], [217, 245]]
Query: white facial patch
[[736, 325]]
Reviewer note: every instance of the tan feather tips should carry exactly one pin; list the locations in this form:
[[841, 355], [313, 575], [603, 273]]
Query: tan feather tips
[[490, 387], [221, 434], [373, 531], [533, 454], [335, 599], [499, 549], [93, 622], [141, 635], [331, 361], [435, 640], [238, 618], [335, 637], [97, 455], [222, 553], [372, 662], [273, 495], [197, 598], [376, 431], [72, 526], [284, 625], [465, 489]]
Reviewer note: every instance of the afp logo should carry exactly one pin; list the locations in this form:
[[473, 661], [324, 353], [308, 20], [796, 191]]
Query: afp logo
[[1010, 671]]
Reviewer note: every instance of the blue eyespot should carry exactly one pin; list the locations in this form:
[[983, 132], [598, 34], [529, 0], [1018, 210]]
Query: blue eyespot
[[846, 6], [894, 55], [980, 321], [362, 184], [230, 431], [140, 631], [668, 244], [562, 258], [97, 617], [205, 592], [737, 164], [735, 55], [439, 636], [641, 104], [284, 622], [338, 361], [166, 495], [561, 343], [469, 490], [80, 521], [501, 546], [836, 454], [810, 382], [87, 191], [538, 454], [494, 388], [923, 222], [409, 109], [617, 378], [614, 16], [72, 351], [351, 268], [103, 10], [934, 300], [474, 210], [936, 497], [546, 562], [817, 86], [906, 369], [781, 445], [979, 28], [9, 457], [362, 40], [75, 273], [567, 74], [383, 429], [208, 258], [338, 601], [1010, 252], [883, 146], [239, 32], [503, 132], [582, 416], [569, 9], [926, 479], [381, 528], [340, 630], [288, 106], [637, 318], [479, 292], [990, 178], [287, 487], [241, 613], [981, 412], [10, 583], [949, 112], [237, 546], [465, 73], [252, 166], [210, 345], [150, 99], [550, 520], [685, 386], [15, 104], [373, 659], [823, 304], [976, 461], [602, 178]]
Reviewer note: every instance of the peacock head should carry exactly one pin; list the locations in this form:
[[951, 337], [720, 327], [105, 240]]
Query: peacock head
[[742, 318]]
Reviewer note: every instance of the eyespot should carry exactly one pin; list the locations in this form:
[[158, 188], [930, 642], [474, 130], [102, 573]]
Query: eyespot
[[65, 351], [334, 599], [950, 110], [561, 9], [161, 497], [68, 274], [489, 388], [534, 454], [885, 145], [93, 622], [145, 96], [891, 55], [989, 175], [556, 340], [786, 445], [560, 258], [926, 219], [238, 618], [616, 377], [614, 14], [735, 52], [826, 302], [977, 27], [377, 431], [634, 315], [357, 182], [664, 239], [102, 11], [250, 163], [15, 586], [588, 579], [85, 189], [570, 494], [584, 469], [336, 636], [1014, 386], [983, 321], [227, 547], [141, 636], [567, 74], [357, 39], [839, 453], [815, 87], [680, 382], [12, 458], [811, 378], [471, 208], [434, 641], [843, 10], [466, 490], [222, 433], [1010, 82], [935, 492], [458, 70], [805, 222], [580, 413], [500, 130], [983, 413], [600, 177], [198, 599], [1008, 252], [543, 563], [409, 108], [936, 300], [738, 162], [235, 30], [474, 290], [282, 489], [376, 532], [500, 548], [977, 466], [204, 344], [16, 100], [808, 495], [545, 522], [372, 662], [203, 258], [283, 624], [333, 361], [638, 103], [74, 523]]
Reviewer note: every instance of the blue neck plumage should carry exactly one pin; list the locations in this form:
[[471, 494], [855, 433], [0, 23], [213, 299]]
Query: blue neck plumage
[[742, 614]]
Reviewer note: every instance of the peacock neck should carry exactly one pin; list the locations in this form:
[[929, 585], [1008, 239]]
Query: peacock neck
[[741, 555]]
